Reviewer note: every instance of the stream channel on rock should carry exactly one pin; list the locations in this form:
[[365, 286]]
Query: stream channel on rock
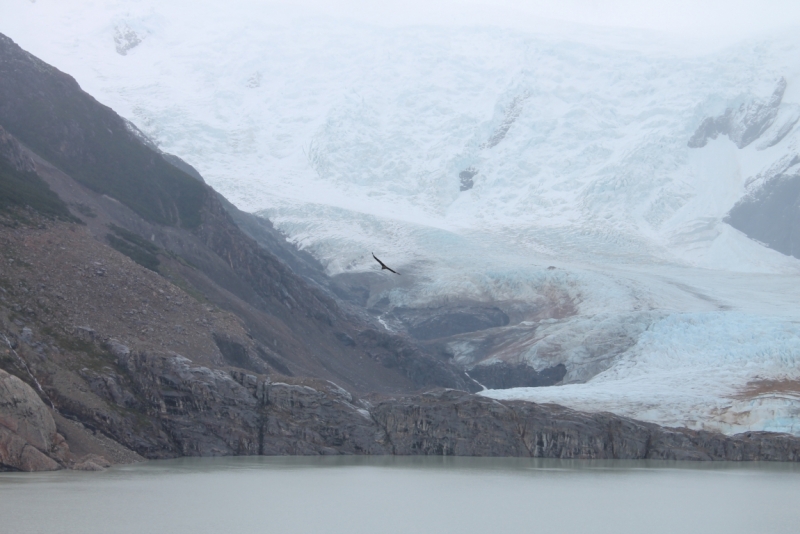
[[405, 495]]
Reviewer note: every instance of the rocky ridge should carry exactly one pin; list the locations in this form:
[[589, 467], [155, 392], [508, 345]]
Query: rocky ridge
[[746, 123]]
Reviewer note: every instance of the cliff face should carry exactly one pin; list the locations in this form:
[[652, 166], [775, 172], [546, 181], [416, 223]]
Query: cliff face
[[139, 320], [456, 423], [771, 212], [194, 410]]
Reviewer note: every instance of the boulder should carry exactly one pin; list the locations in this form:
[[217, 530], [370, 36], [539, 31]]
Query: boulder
[[27, 429], [18, 455]]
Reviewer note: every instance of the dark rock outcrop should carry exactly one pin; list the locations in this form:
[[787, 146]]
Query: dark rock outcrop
[[744, 124], [323, 419], [262, 231], [177, 162], [466, 178], [771, 214], [511, 114], [234, 352], [125, 39], [433, 323], [12, 152], [457, 423], [504, 375], [395, 352], [20, 186], [164, 405]]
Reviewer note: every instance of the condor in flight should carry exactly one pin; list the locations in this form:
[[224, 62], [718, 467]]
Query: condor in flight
[[383, 265]]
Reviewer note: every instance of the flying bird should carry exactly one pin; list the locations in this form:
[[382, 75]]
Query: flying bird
[[383, 265]]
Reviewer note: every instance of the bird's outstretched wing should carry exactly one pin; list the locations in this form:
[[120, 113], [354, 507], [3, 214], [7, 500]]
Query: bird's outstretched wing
[[383, 265]]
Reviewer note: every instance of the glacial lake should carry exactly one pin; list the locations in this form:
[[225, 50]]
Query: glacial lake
[[405, 495]]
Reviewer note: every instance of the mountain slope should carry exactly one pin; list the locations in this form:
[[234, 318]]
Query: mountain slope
[[298, 324], [46, 110], [579, 184]]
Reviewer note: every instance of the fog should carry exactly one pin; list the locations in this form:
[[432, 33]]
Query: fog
[[714, 20], [699, 18]]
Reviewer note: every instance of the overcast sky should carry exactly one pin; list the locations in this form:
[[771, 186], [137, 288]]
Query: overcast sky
[[697, 17], [705, 19]]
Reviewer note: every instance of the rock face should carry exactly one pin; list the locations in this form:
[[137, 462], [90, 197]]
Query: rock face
[[771, 214], [203, 411], [164, 405], [125, 39], [11, 151], [466, 178], [512, 113], [745, 124], [197, 411], [504, 375], [27, 430], [300, 419], [457, 423], [433, 323]]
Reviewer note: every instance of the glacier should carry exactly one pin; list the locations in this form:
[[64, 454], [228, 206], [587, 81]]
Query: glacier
[[589, 215]]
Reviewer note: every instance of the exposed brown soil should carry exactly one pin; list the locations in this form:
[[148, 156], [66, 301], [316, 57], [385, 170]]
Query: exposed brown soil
[[758, 388]]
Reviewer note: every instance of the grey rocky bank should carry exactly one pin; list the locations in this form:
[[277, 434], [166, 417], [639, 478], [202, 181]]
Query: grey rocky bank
[[208, 412]]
